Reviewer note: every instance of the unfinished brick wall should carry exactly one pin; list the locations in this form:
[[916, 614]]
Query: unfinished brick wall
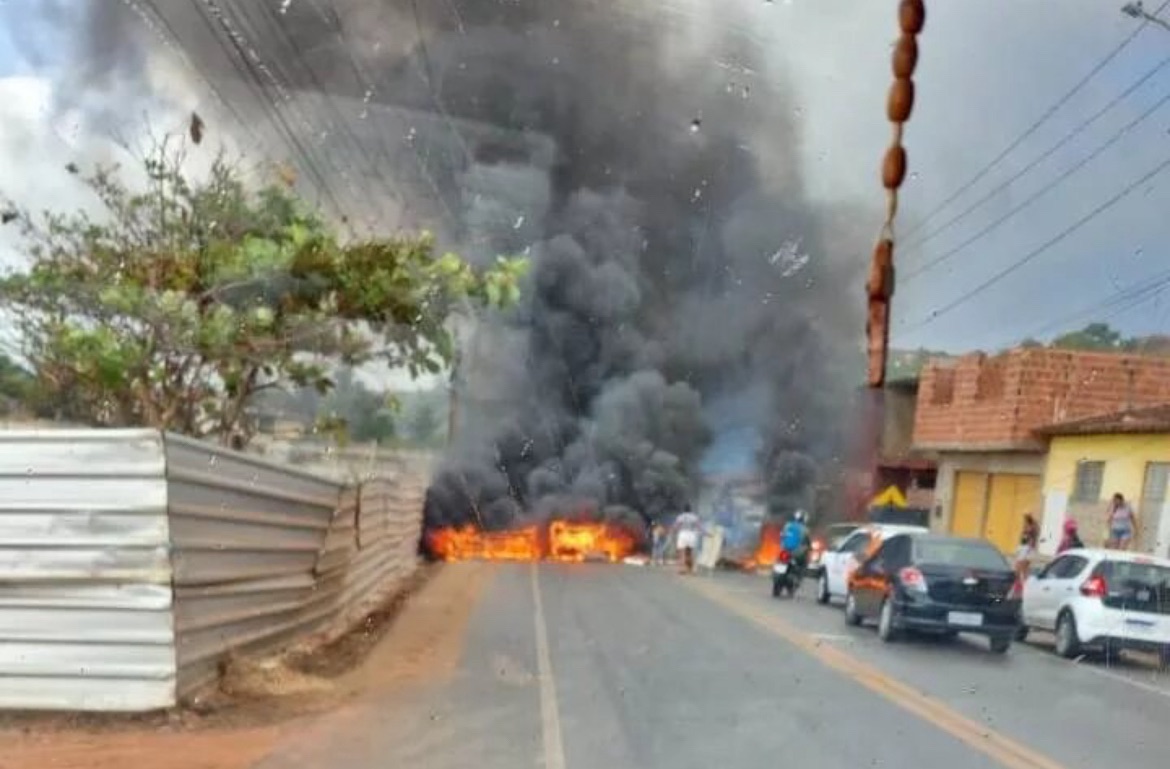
[[981, 402]]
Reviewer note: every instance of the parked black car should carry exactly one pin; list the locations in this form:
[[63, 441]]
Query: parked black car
[[936, 584]]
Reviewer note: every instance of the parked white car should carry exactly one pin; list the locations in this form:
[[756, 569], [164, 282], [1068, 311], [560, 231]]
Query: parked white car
[[840, 561], [1101, 599]]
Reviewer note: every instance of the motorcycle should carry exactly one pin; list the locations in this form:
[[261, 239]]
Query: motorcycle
[[787, 573]]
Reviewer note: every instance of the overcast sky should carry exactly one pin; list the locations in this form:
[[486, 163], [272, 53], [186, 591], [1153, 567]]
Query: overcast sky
[[988, 70]]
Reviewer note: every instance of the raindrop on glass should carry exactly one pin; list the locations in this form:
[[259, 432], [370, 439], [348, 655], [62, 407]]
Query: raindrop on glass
[[284, 4], [696, 124], [518, 223]]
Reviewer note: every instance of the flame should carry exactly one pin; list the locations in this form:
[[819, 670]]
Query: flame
[[769, 548], [566, 541], [578, 541]]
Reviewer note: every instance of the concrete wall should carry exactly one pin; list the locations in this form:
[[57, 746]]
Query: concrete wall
[[1125, 458], [950, 463]]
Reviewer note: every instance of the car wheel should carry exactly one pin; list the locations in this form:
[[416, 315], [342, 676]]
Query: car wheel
[[852, 617], [1022, 633], [886, 629], [1068, 644], [1000, 644], [823, 589], [1112, 653]]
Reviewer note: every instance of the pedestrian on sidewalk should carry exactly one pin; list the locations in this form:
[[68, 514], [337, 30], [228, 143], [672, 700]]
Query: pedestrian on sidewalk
[[1071, 540], [1122, 523], [1029, 539]]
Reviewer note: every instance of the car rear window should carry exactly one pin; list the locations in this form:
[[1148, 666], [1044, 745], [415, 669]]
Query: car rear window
[[957, 552], [1145, 574]]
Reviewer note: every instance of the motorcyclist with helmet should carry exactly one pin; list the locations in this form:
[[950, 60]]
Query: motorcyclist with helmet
[[797, 541]]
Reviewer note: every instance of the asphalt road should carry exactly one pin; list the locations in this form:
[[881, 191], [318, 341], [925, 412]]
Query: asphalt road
[[607, 667]]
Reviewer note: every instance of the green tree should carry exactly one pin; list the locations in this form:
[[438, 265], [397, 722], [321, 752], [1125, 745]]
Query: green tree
[[17, 385], [1095, 336], [363, 414], [424, 422], [187, 297]]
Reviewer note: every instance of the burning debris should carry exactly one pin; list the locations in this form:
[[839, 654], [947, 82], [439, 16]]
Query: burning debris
[[559, 540]]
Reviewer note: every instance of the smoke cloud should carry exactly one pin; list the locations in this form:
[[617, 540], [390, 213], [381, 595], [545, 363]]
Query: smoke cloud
[[646, 158]]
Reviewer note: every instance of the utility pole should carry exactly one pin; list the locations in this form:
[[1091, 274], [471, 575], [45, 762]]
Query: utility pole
[[453, 387], [1135, 10]]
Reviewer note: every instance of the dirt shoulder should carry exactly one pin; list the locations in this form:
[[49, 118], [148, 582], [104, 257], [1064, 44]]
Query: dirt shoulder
[[415, 638]]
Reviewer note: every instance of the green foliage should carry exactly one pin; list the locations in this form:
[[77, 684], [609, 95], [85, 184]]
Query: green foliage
[[188, 297], [360, 413], [1103, 337], [424, 423], [17, 385], [1095, 336]]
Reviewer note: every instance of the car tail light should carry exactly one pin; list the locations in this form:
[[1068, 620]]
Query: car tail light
[[1095, 587], [912, 579]]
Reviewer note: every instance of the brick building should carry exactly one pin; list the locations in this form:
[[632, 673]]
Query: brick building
[[979, 415]]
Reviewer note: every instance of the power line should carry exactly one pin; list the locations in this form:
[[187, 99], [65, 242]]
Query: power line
[[1123, 300], [1042, 156], [1042, 248], [946, 255], [1060, 102]]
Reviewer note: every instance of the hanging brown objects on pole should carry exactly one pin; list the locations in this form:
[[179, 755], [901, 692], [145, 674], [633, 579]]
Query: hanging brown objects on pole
[[879, 287]]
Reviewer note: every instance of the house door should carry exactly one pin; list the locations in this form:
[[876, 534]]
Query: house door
[[970, 501], [1010, 497]]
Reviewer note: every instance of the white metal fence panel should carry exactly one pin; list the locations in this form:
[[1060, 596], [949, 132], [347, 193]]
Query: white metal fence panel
[[85, 597], [246, 537]]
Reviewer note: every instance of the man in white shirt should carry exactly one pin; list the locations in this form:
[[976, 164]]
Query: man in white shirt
[[686, 526]]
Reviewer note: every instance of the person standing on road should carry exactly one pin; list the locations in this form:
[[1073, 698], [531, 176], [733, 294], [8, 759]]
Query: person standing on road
[[1029, 539], [687, 539], [658, 543], [1122, 523]]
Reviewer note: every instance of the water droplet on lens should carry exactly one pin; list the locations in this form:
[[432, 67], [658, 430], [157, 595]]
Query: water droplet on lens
[[696, 124]]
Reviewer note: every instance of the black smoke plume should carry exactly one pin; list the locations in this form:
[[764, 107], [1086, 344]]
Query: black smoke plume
[[648, 162]]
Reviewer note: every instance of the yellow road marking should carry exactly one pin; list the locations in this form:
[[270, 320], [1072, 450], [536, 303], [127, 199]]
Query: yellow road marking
[[550, 719], [997, 746]]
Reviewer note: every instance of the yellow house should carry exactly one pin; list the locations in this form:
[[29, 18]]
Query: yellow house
[[1091, 459]]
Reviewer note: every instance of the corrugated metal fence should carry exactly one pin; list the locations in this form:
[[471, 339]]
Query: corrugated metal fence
[[132, 563]]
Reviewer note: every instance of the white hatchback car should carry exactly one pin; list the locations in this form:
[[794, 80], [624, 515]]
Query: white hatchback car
[[839, 561], [1101, 599]]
